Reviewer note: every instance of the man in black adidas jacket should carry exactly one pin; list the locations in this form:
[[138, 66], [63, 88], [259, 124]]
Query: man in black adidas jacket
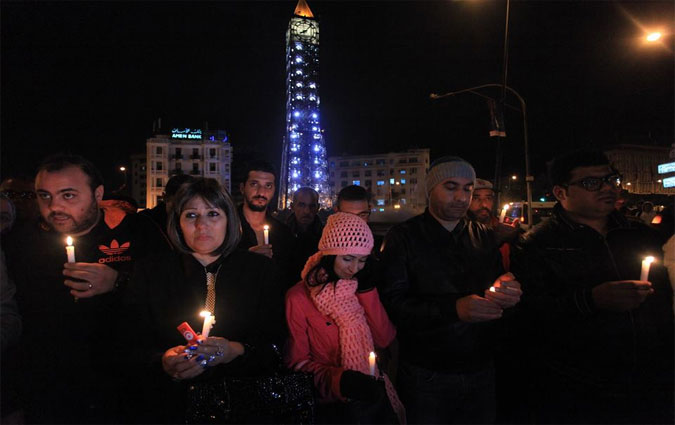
[[65, 357], [601, 339]]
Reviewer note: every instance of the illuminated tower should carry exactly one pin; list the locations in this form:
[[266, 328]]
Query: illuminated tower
[[303, 159]]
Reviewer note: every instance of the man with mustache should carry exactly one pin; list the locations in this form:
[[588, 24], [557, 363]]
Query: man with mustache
[[436, 272], [258, 190], [68, 309], [481, 210], [601, 339]]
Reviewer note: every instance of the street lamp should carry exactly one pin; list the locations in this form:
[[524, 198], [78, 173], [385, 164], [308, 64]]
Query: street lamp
[[523, 108], [124, 184], [654, 36]]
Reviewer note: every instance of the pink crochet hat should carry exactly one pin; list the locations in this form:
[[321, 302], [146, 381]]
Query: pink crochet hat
[[346, 234]]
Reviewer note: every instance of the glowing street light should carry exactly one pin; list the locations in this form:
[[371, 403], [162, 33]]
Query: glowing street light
[[654, 36], [514, 177]]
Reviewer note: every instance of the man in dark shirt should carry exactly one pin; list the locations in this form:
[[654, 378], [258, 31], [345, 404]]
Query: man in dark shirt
[[601, 339], [68, 308], [305, 223], [442, 284], [258, 190]]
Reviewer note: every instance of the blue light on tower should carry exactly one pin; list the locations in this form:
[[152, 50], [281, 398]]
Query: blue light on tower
[[304, 152]]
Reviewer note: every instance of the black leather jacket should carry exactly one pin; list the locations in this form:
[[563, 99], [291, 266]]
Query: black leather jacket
[[558, 264], [423, 270]]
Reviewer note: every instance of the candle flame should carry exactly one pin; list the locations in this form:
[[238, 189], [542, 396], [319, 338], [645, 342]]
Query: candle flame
[[69, 241], [266, 227], [506, 206], [372, 355], [205, 313], [492, 289], [649, 259]]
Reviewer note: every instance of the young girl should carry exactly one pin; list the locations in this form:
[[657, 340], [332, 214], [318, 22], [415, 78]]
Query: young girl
[[335, 321]]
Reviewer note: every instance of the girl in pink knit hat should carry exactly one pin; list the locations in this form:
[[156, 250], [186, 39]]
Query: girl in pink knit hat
[[335, 321]]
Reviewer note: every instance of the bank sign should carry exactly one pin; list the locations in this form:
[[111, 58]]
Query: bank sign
[[186, 133]]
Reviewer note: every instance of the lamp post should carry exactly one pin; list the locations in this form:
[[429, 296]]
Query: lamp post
[[523, 108]]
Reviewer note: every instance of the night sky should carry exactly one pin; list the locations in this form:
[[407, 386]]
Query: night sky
[[91, 77]]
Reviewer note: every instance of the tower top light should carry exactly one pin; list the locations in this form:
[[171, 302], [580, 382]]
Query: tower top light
[[302, 9]]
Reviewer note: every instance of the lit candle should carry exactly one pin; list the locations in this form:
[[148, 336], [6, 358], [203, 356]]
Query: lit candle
[[209, 320], [371, 363], [266, 234], [646, 264], [503, 213], [492, 289], [70, 249]]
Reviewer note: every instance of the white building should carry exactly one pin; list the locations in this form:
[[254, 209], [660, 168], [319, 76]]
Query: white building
[[187, 151], [638, 164], [395, 179]]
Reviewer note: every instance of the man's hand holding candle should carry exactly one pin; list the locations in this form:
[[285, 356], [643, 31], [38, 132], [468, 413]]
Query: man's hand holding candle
[[621, 295], [505, 291], [92, 279]]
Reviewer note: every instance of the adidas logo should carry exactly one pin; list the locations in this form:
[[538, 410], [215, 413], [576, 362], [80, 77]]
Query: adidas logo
[[115, 248]]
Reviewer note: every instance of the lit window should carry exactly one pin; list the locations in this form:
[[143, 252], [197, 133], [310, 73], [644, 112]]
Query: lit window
[[317, 174], [317, 148], [298, 72], [356, 182], [298, 96], [298, 84], [317, 136], [312, 85], [298, 46], [402, 181], [380, 182], [380, 202], [294, 135], [315, 116], [298, 59], [402, 171], [391, 181], [315, 128], [296, 114], [381, 209]]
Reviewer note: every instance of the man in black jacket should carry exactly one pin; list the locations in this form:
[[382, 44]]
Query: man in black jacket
[[442, 284], [602, 340], [280, 244]]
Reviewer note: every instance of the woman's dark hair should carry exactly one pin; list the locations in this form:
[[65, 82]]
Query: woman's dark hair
[[216, 196], [327, 263]]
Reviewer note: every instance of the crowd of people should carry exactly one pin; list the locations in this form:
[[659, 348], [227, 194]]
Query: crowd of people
[[451, 317]]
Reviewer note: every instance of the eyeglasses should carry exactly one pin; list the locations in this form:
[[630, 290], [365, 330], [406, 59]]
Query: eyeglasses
[[364, 214], [13, 194], [593, 184]]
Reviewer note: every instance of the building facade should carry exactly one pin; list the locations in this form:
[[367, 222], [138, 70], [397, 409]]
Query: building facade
[[139, 178], [638, 164], [395, 180], [303, 156], [186, 151]]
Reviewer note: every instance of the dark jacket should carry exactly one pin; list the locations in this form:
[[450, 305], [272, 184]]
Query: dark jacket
[[55, 327], [423, 270], [307, 241], [558, 265], [284, 247], [167, 290]]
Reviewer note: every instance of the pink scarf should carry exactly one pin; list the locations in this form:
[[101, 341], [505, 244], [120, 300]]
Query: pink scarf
[[339, 302]]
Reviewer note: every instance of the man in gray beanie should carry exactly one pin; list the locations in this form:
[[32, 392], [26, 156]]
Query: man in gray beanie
[[442, 282]]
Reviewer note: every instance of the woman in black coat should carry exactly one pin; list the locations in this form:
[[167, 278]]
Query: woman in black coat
[[168, 289]]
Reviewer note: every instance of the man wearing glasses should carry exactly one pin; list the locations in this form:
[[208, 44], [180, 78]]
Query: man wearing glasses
[[601, 339]]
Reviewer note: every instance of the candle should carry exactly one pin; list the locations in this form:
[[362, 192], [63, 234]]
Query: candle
[[492, 289], [70, 250], [503, 213], [371, 363], [646, 264], [266, 234], [209, 320]]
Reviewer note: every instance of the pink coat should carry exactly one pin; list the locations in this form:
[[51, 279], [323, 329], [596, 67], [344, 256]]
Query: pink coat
[[314, 345]]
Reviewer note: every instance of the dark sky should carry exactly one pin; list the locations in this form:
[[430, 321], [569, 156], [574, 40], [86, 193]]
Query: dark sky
[[91, 77]]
